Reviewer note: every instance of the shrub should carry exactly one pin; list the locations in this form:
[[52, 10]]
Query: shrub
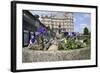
[[61, 46], [70, 44]]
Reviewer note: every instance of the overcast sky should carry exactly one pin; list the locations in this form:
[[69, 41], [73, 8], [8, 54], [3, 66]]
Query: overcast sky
[[81, 20]]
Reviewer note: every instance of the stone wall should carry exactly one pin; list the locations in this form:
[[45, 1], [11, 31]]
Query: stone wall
[[44, 56]]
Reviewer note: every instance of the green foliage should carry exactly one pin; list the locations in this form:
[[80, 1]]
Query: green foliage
[[86, 41], [43, 44], [71, 44], [35, 47], [86, 31], [40, 41], [79, 44], [61, 47]]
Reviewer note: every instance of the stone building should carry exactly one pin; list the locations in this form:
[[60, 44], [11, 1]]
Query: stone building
[[31, 24], [63, 22]]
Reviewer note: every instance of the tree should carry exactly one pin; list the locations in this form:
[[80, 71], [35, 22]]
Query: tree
[[86, 31]]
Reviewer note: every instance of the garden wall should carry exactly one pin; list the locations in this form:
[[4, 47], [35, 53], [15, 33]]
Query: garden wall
[[42, 56]]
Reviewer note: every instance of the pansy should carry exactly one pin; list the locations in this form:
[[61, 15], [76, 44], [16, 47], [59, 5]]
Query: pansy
[[73, 34], [42, 30], [33, 40], [37, 33], [66, 33]]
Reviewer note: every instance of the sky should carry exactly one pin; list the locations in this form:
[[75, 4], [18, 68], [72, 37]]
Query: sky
[[81, 20]]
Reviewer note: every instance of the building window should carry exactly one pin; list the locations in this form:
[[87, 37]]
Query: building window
[[26, 37]]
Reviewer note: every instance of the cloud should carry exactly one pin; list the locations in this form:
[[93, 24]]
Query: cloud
[[75, 19], [87, 15], [82, 26]]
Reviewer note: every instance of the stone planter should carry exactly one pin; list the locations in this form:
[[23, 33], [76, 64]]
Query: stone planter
[[45, 56]]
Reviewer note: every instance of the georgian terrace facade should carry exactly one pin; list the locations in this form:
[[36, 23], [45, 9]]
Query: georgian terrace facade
[[59, 24]]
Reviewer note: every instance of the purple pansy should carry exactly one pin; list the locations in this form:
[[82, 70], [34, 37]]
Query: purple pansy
[[37, 33], [66, 33], [73, 34], [33, 40], [42, 30]]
